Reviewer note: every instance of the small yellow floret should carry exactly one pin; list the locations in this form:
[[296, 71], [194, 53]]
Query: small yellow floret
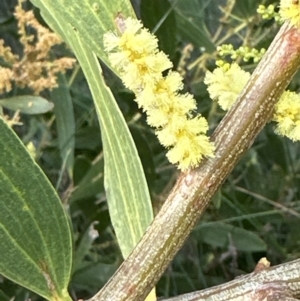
[[287, 115], [198, 147], [290, 10], [225, 84], [134, 53]]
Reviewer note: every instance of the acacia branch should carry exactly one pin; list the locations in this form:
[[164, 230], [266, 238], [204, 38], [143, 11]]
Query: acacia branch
[[281, 282], [193, 190]]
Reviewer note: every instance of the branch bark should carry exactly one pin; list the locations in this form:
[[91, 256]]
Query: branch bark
[[280, 282], [193, 190]]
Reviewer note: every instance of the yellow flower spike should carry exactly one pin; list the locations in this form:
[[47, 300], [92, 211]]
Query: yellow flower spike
[[134, 53], [290, 10]]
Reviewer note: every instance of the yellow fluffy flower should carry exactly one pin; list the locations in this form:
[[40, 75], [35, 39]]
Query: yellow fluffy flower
[[134, 53], [290, 10], [226, 83], [287, 115]]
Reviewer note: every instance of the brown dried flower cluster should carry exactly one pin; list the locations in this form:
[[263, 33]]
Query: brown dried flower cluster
[[35, 69]]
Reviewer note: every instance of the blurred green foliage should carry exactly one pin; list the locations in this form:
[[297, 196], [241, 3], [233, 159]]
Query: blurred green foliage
[[255, 214]]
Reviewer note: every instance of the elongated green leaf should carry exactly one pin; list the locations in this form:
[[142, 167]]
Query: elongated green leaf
[[65, 122], [82, 24], [126, 187], [90, 19], [35, 239], [27, 104]]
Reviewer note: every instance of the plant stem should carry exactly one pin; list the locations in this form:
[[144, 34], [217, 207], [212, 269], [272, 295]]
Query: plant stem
[[281, 280], [193, 190]]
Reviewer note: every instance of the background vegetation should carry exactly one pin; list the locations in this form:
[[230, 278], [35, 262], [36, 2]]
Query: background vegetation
[[255, 214]]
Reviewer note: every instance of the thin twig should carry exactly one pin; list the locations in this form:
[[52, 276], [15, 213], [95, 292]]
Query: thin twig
[[283, 280], [273, 203]]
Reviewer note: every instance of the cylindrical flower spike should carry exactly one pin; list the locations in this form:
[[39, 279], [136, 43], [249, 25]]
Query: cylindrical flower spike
[[134, 53]]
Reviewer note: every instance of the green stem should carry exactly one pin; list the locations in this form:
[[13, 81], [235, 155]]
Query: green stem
[[193, 190]]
